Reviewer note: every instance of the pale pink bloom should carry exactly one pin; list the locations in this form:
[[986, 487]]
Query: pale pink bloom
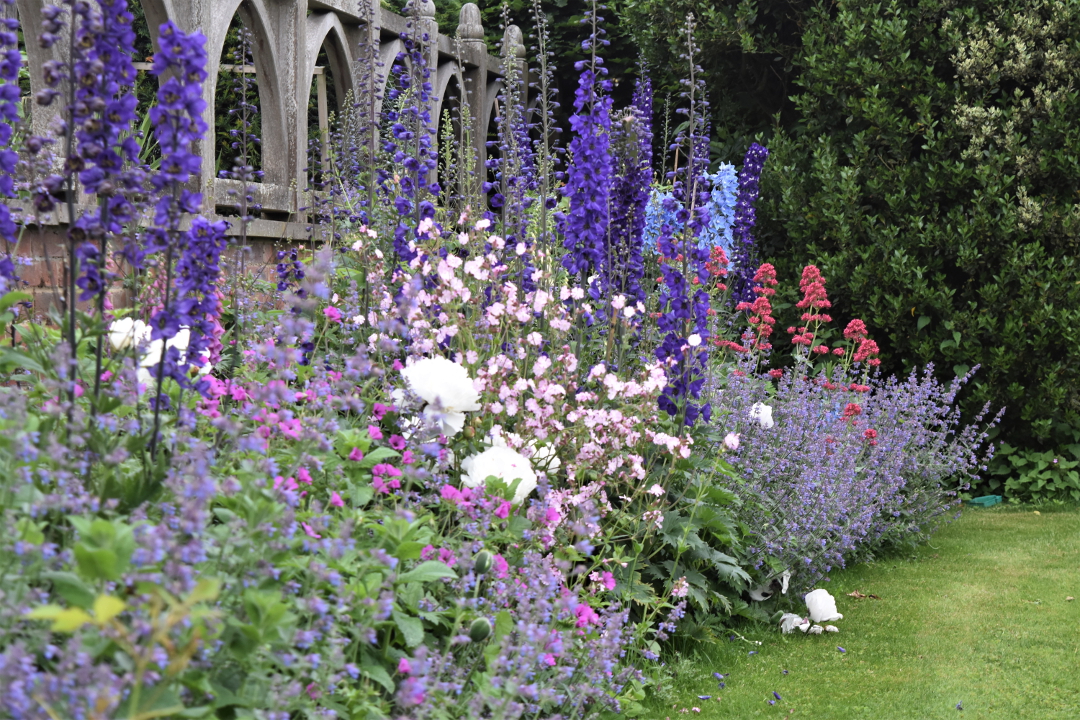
[[731, 441], [655, 490], [694, 340]]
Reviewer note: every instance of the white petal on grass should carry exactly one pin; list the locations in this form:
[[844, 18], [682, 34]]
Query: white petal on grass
[[790, 621], [822, 606]]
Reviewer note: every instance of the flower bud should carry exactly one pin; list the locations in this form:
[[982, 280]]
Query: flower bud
[[483, 562], [480, 630]]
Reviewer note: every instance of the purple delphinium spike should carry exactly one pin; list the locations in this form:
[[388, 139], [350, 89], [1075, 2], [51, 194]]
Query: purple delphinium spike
[[743, 263], [10, 62], [584, 227], [630, 193], [409, 144], [178, 124], [102, 114]]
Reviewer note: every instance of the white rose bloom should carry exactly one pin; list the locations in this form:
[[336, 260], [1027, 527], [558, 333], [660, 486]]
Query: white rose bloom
[[126, 332], [449, 423], [822, 606], [502, 462], [542, 455], [447, 385], [815, 630], [762, 415]]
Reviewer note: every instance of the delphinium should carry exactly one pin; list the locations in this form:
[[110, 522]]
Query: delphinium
[[514, 163], [103, 113], [723, 191], [244, 142], [632, 141], [409, 144], [546, 148], [178, 123], [743, 253], [684, 302], [584, 226], [10, 62]]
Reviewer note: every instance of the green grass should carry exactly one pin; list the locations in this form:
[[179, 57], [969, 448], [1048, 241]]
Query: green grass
[[980, 617]]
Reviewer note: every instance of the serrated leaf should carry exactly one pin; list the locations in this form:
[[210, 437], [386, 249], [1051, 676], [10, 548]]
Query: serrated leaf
[[504, 624], [378, 674], [412, 629]]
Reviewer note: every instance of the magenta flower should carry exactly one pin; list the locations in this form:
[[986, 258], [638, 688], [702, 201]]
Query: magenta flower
[[335, 500], [332, 314], [502, 568], [356, 455], [374, 432], [404, 667], [397, 442], [303, 476], [447, 556], [428, 552], [586, 615], [503, 511], [308, 530], [285, 484], [291, 428]]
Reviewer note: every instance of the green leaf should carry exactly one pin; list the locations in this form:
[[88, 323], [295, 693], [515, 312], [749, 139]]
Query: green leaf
[[97, 564], [70, 587], [412, 629], [923, 322], [378, 455], [427, 571], [504, 625], [378, 674]]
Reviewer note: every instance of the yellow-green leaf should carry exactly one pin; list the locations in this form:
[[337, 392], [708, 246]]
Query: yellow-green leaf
[[71, 620], [45, 612], [207, 589], [106, 607]]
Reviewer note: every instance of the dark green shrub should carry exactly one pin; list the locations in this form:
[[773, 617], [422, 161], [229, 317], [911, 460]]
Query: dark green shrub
[[932, 176]]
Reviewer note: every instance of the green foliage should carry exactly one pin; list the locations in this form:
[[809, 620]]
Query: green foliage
[[1036, 476], [931, 177]]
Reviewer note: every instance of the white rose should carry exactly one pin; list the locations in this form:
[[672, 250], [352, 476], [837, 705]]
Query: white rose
[[822, 606], [762, 415], [447, 385], [501, 462]]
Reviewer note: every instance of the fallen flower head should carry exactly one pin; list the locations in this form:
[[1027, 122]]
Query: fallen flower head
[[822, 606]]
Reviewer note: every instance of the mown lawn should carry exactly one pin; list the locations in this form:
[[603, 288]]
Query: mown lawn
[[979, 618]]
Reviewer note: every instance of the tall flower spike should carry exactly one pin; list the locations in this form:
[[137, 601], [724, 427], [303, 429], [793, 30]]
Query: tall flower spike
[[10, 62], [178, 123], [588, 183], [630, 192], [745, 218]]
